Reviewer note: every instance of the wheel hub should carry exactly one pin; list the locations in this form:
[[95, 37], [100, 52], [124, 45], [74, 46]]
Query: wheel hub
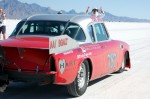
[[81, 76]]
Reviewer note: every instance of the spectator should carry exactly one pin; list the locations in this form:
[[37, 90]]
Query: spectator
[[95, 12], [2, 24]]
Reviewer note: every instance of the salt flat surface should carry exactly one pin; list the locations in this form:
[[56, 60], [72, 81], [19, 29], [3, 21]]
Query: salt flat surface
[[131, 84], [128, 31], [10, 25]]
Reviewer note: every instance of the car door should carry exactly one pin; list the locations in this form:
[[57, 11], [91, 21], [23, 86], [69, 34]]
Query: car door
[[103, 40], [112, 55], [109, 46], [98, 53], [101, 47]]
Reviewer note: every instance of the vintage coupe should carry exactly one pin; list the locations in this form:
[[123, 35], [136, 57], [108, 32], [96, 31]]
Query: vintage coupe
[[68, 50]]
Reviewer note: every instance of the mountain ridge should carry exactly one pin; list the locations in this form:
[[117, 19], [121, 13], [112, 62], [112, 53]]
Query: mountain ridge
[[17, 10]]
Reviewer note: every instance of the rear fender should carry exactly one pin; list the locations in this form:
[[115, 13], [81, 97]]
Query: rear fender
[[72, 60], [67, 67], [128, 63], [126, 54]]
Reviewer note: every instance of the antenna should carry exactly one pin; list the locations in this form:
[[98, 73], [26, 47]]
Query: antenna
[[4, 2], [4, 5]]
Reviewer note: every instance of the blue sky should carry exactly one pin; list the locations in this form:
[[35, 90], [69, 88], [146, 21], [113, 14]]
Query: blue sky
[[130, 8]]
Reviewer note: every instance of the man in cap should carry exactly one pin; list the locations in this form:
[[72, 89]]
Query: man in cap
[[96, 14]]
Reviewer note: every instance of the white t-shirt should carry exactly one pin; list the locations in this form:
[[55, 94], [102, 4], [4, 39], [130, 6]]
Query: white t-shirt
[[2, 21], [100, 15]]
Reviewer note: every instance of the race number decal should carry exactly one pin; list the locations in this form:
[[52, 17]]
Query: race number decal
[[62, 65], [112, 60]]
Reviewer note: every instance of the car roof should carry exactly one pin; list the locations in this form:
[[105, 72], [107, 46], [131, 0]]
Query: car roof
[[83, 20], [61, 17]]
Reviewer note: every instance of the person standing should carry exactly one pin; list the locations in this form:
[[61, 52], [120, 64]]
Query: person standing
[[2, 24], [95, 13], [3, 84]]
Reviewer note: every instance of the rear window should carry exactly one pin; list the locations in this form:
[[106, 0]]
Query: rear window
[[49, 28], [40, 28]]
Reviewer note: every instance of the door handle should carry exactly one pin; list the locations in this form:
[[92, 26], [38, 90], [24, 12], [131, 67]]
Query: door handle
[[103, 47]]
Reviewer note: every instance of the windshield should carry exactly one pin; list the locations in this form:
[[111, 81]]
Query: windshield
[[49, 28]]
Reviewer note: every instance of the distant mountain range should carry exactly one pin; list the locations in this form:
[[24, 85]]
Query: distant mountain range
[[17, 10]]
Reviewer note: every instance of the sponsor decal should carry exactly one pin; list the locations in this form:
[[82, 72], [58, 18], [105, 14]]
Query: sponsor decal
[[112, 60], [92, 47], [58, 43], [84, 55], [62, 65], [71, 63], [61, 43]]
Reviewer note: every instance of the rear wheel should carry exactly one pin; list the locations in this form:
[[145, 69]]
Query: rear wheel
[[79, 86]]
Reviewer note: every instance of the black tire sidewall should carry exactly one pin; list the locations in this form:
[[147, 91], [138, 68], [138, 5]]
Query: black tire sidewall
[[83, 89]]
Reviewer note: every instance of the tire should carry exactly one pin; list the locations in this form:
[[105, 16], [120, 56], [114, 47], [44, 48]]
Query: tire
[[79, 86], [122, 68]]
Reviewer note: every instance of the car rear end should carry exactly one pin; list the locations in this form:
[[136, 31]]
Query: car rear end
[[26, 64]]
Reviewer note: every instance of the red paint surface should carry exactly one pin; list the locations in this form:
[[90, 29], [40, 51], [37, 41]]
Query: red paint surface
[[27, 53]]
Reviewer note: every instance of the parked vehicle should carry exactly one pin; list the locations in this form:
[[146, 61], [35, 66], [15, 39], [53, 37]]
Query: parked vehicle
[[68, 50]]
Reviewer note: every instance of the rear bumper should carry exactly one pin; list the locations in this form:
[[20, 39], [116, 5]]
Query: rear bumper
[[28, 77]]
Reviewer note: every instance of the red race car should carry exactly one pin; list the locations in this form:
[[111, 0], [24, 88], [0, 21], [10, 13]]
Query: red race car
[[68, 50]]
